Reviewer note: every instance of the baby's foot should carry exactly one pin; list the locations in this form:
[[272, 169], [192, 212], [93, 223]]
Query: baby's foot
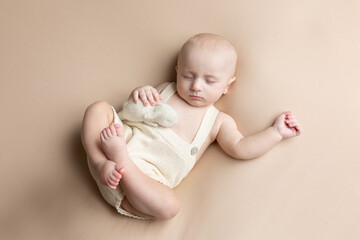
[[110, 174], [113, 143]]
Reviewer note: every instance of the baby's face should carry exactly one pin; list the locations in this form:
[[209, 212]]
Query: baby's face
[[204, 75]]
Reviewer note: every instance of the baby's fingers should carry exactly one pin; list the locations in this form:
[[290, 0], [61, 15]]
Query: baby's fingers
[[295, 125], [291, 122], [143, 97], [153, 95], [156, 94], [135, 95], [150, 97], [140, 93], [298, 129]]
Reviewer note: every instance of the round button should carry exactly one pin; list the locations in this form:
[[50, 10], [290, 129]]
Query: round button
[[194, 151]]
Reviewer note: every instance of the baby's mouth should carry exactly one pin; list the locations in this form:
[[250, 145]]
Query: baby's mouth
[[195, 97]]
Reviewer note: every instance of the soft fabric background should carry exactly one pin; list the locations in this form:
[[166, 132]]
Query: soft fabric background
[[57, 57]]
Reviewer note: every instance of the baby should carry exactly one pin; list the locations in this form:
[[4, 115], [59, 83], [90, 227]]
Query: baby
[[137, 165]]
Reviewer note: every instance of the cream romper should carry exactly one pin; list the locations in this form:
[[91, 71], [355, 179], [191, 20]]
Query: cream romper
[[158, 152]]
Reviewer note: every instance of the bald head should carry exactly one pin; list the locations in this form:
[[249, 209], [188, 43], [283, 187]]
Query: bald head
[[218, 46]]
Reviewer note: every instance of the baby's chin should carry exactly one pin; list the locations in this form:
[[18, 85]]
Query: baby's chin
[[197, 103]]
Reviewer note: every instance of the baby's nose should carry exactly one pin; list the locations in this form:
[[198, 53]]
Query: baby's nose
[[196, 85]]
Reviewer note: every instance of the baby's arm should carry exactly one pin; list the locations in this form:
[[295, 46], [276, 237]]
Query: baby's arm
[[239, 147]]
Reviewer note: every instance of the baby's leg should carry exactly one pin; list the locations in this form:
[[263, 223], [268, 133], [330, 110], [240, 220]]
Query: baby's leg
[[143, 193], [98, 116]]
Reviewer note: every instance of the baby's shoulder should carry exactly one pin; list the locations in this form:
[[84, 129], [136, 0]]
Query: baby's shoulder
[[222, 118]]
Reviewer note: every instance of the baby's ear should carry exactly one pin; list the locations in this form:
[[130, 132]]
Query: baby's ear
[[176, 68], [229, 84]]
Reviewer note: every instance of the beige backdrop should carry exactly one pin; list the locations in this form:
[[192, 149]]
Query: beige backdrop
[[57, 57]]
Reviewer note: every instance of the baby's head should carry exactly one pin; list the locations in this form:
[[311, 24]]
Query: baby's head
[[205, 69]]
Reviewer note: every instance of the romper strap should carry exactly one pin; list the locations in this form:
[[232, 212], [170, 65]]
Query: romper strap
[[205, 127], [168, 92]]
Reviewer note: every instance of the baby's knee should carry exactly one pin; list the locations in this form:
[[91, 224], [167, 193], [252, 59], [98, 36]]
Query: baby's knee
[[169, 209], [100, 108]]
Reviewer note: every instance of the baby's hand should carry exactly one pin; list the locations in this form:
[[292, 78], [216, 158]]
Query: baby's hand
[[287, 125], [146, 94]]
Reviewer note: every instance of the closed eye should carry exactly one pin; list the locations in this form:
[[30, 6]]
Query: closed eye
[[187, 76], [209, 80]]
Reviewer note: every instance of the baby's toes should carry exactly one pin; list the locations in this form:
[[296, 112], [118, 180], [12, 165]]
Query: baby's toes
[[119, 169], [104, 134], [115, 179], [117, 175], [108, 131], [102, 137], [112, 184], [118, 129], [112, 130]]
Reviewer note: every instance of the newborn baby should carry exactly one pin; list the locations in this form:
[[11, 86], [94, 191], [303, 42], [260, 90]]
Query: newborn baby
[[137, 161]]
